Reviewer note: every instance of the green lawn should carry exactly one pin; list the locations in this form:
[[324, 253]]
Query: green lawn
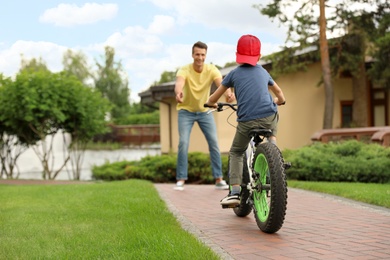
[[116, 220], [112, 220], [372, 193]]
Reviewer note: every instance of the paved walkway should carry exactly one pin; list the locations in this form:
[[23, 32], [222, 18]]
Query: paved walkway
[[317, 226]]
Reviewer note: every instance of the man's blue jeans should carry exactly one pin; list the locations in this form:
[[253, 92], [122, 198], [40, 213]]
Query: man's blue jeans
[[207, 125]]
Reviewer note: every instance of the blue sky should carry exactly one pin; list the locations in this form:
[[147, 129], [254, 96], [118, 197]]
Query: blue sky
[[149, 36]]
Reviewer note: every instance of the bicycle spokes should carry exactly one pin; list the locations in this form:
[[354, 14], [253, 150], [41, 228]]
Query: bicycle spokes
[[260, 193]]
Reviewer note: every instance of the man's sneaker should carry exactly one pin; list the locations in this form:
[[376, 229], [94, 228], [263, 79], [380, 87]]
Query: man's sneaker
[[231, 200], [222, 185], [179, 185]]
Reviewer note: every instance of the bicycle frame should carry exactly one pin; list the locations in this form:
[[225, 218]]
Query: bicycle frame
[[250, 152], [263, 187]]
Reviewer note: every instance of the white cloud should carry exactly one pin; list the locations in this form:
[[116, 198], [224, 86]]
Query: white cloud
[[238, 16], [71, 14], [136, 41], [147, 49], [161, 24], [50, 53]]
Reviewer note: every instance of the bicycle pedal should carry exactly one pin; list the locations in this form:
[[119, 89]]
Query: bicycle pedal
[[230, 206]]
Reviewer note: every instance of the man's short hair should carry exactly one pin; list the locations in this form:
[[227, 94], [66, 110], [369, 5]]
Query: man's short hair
[[200, 45]]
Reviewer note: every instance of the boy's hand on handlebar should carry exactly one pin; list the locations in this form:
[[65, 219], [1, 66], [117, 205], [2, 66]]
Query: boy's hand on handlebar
[[209, 104], [276, 101], [230, 97]]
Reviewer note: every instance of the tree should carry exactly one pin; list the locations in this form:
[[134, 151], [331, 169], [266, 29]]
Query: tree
[[110, 80], [32, 65], [85, 118], [377, 27], [325, 66], [10, 147], [359, 28], [167, 76], [38, 105], [366, 27], [75, 63], [303, 31]]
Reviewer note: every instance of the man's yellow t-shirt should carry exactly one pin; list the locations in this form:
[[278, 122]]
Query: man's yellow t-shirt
[[197, 86]]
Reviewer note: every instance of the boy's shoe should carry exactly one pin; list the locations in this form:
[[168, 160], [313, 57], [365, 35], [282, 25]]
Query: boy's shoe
[[222, 185], [179, 185], [231, 200]]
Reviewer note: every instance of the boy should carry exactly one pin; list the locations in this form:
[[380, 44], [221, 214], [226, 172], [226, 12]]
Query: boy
[[256, 107]]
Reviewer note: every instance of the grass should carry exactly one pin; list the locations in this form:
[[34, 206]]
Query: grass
[[97, 146], [115, 220], [371, 193]]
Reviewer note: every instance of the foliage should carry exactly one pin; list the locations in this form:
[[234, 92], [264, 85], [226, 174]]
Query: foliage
[[76, 64], [167, 76], [139, 119], [116, 220], [110, 81], [230, 64], [33, 65], [349, 161], [306, 28], [358, 30], [287, 61], [159, 169], [138, 108], [380, 70], [32, 105], [39, 104], [10, 148]]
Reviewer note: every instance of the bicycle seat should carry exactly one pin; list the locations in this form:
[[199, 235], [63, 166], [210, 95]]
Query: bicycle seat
[[258, 131]]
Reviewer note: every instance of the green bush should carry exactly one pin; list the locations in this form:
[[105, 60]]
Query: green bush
[[161, 168], [111, 171], [349, 161], [140, 119]]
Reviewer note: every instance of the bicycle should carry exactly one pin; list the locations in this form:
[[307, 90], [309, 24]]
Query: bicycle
[[264, 185]]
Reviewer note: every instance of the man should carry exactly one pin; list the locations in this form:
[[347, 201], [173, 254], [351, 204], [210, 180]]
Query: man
[[192, 89]]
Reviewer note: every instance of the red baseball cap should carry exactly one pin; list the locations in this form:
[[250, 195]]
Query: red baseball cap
[[248, 50]]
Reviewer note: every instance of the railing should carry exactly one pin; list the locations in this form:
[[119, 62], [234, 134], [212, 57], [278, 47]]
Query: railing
[[136, 134], [379, 135]]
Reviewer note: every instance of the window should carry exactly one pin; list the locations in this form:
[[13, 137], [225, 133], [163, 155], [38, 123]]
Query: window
[[346, 113]]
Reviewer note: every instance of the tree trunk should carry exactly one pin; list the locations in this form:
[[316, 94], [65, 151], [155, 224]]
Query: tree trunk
[[360, 95], [325, 65]]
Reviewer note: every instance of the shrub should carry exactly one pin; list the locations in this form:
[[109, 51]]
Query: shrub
[[349, 161], [140, 119], [161, 168]]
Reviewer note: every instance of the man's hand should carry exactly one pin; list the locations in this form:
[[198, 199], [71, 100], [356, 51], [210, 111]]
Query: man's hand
[[179, 97]]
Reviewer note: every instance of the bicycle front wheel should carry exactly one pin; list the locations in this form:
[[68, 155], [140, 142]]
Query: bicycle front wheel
[[270, 193]]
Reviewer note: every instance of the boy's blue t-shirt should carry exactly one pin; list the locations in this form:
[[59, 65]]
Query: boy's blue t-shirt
[[250, 85]]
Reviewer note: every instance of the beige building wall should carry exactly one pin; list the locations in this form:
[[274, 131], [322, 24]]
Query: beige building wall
[[300, 118]]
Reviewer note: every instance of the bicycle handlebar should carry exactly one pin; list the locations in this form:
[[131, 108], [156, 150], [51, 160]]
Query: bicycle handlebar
[[220, 106]]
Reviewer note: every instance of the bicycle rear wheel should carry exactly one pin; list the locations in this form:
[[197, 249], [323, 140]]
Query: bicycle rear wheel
[[244, 209], [270, 193]]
